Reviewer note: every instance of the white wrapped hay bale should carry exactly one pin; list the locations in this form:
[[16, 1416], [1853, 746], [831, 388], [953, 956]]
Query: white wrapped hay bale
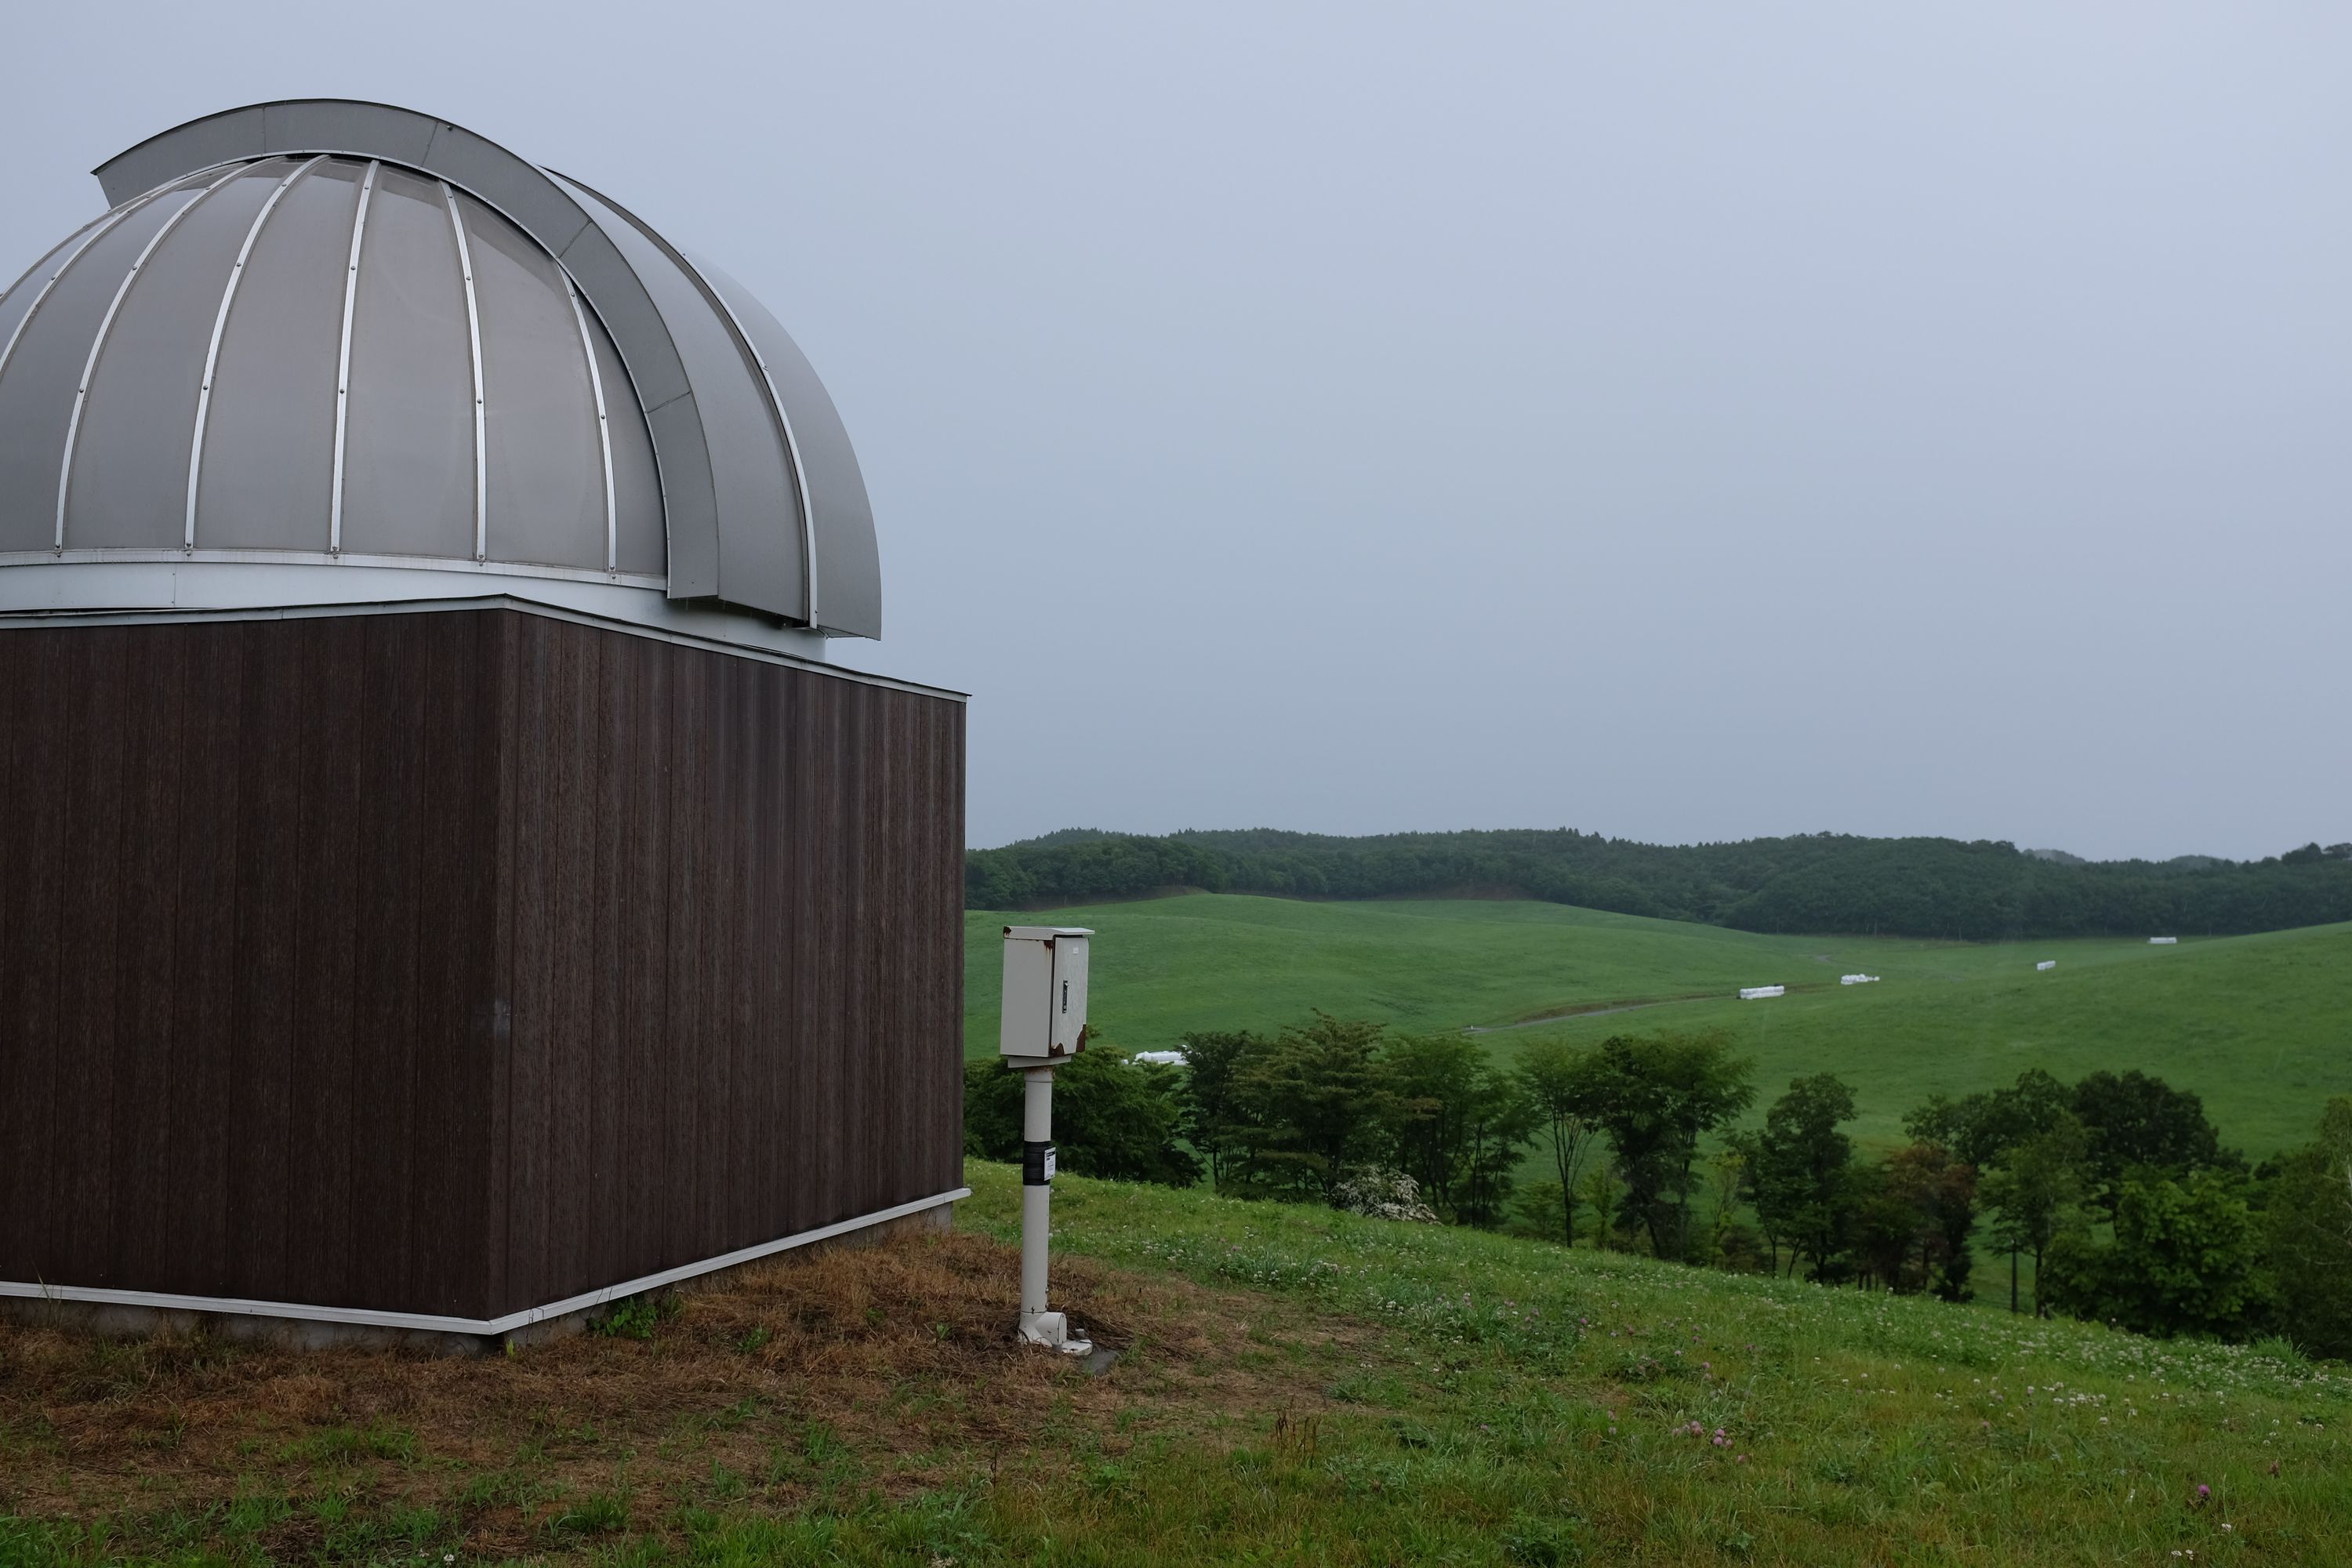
[[1757, 993]]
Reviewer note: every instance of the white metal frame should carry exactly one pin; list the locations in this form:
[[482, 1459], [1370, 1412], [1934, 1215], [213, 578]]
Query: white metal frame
[[93, 554], [428, 1322], [343, 358], [474, 332]]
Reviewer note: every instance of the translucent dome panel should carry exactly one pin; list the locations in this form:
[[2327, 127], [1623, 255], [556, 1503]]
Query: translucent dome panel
[[38, 383], [265, 477], [408, 454], [546, 462], [129, 486], [18, 301], [640, 541]]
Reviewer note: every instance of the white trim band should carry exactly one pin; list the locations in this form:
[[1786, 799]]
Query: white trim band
[[428, 1322], [592, 604]]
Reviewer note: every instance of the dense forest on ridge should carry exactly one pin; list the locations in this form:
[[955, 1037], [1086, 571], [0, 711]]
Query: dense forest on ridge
[[1824, 883]]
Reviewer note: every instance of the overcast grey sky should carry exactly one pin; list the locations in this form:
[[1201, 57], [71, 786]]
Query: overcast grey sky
[[1679, 422]]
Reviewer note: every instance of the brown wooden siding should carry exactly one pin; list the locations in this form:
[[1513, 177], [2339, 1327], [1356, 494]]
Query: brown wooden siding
[[460, 961]]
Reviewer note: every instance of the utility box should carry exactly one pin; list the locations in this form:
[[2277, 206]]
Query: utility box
[[1044, 1008]]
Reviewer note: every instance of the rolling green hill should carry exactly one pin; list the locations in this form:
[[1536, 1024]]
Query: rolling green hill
[[2260, 1026]]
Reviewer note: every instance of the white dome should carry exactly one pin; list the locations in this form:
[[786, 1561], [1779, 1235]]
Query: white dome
[[350, 337]]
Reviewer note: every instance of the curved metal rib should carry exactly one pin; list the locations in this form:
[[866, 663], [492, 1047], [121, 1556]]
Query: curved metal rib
[[343, 361], [604, 425], [105, 326], [220, 324], [474, 331]]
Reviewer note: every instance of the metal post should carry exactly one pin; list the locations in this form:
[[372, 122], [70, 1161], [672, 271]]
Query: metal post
[[1037, 1325]]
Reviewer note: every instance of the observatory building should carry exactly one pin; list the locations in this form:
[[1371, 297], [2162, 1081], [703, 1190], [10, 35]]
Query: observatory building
[[446, 886]]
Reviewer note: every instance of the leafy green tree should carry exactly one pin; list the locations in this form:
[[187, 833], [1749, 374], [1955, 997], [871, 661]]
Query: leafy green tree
[[2184, 1260], [1878, 1230], [1601, 1189], [1912, 1214], [1459, 1123], [1562, 1084], [2308, 1237], [1655, 1098], [2034, 1194], [992, 1111], [1321, 1104], [1942, 1192], [1431, 1081], [1803, 1192], [2136, 1122], [1497, 1122], [1729, 1172], [1980, 1128], [1217, 1117], [1113, 1117]]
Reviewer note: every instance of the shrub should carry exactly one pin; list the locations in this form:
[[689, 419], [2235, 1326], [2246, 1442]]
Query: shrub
[[1113, 1117]]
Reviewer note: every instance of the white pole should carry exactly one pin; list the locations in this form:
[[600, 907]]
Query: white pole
[[1039, 1325], [1036, 1192]]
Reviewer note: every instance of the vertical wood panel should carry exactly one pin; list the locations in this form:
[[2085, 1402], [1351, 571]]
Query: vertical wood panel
[[612, 946], [81, 1218], [203, 1002], [326, 1124], [393, 824], [643, 1152], [499, 1179], [541, 1236], [262, 1044], [146, 928], [685, 961], [728, 1177], [35, 666], [460, 1021]]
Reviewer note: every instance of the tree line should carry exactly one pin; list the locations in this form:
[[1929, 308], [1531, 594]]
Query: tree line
[[2118, 1187], [1811, 884]]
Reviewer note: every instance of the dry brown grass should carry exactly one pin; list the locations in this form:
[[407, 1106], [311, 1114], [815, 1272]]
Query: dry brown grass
[[890, 1367]]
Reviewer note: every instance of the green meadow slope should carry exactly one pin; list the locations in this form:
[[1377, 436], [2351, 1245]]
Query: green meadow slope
[[2260, 1026], [1291, 1386]]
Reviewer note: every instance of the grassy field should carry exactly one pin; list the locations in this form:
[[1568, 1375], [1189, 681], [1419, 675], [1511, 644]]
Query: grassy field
[[1294, 1387], [2259, 1026]]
